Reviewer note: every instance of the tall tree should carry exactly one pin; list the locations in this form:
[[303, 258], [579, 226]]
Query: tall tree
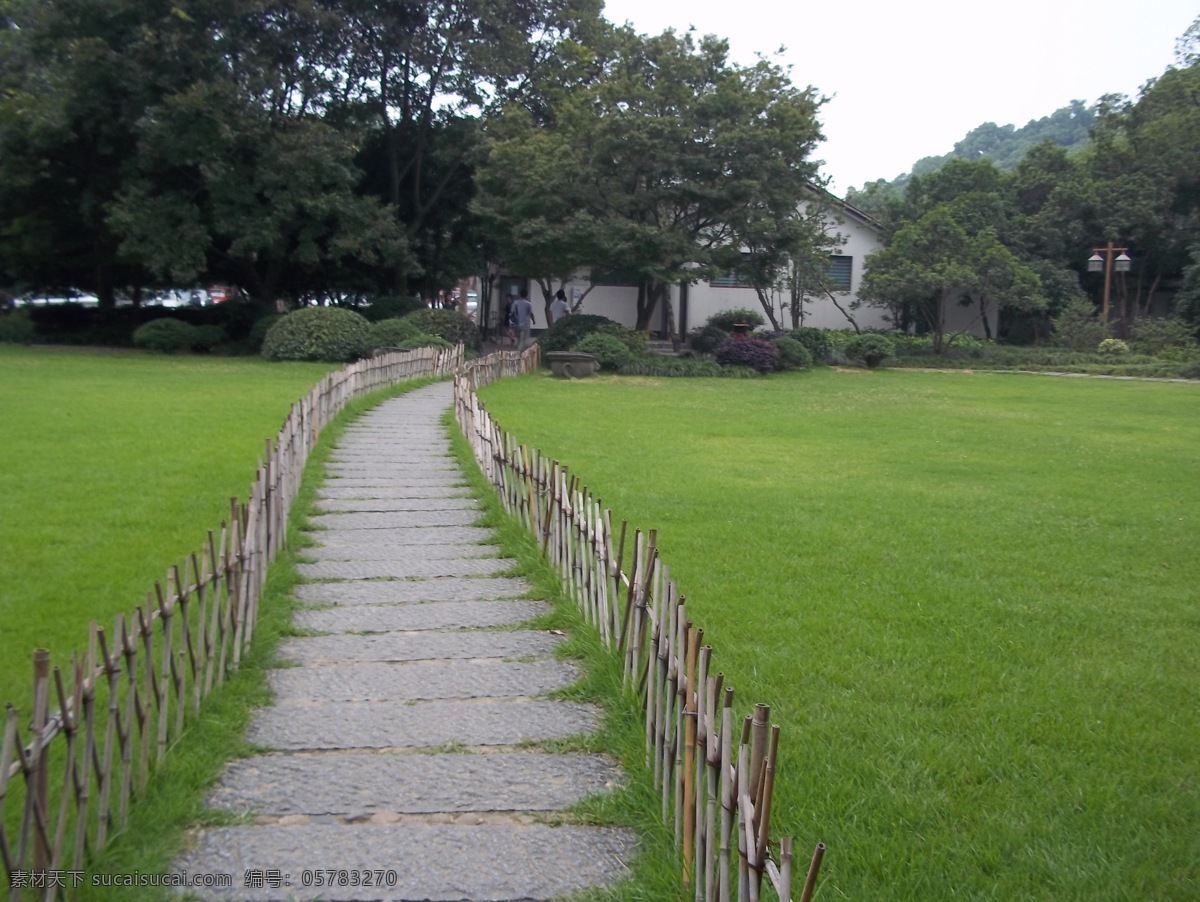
[[656, 166]]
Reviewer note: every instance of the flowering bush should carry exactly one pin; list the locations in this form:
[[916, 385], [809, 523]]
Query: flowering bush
[[759, 353], [1112, 347]]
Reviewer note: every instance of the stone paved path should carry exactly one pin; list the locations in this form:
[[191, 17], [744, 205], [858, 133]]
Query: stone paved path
[[402, 743]]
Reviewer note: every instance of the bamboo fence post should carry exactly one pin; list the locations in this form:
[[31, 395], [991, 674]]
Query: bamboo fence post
[[689, 757], [810, 882], [38, 793]]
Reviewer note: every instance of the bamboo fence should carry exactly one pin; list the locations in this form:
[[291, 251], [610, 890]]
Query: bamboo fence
[[715, 775], [97, 732]]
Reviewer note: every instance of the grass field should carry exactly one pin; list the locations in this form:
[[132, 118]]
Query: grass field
[[971, 601], [114, 466]]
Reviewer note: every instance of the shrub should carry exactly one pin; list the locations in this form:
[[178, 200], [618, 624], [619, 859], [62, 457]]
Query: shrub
[[871, 348], [725, 319], [1112, 347], [453, 327], [817, 341], [389, 333], [423, 340], [659, 365], [1077, 326], [317, 333], [208, 337], [390, 307], [570, 330], [1153, 336], [757, 353], [166, 334], [16, 327], [792, 354], [259, 330], [608, 349], [706, 339]]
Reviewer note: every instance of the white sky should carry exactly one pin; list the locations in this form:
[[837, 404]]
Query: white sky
[[909, 79]]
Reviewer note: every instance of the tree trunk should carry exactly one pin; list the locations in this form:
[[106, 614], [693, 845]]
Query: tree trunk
[[647, 300]]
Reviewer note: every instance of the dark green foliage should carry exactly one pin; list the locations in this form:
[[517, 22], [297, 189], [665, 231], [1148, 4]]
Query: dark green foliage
[[1151, 336], [726, 319], [317, 333], [423, 340], [389, 333], [758, 353], [816, 340], [1077, 327], [167, 335], [570, 330], [608, 349], [390, 307], [706, 339], [871, 348], [453, 327], [208, 337], [16, 327], [658, 365], [259, 330], [792, 354]]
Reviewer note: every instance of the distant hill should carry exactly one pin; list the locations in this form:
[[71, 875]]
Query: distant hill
[[1005, 145]]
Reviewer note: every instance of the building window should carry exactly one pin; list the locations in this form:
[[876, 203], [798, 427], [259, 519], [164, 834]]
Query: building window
[[733, 278], [616, 277], [838, 273]]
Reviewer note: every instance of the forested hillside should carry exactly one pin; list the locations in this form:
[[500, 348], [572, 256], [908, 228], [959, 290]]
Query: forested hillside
[[1006, 145]]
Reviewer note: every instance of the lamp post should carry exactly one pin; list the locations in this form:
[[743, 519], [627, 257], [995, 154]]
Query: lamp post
[[1108, 263]]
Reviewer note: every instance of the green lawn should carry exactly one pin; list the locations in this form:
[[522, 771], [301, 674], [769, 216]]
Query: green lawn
[[114, 466], [970, 600]]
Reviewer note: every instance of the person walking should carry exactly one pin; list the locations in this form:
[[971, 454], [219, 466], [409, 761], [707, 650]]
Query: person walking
[[558, 307], [523, 319]]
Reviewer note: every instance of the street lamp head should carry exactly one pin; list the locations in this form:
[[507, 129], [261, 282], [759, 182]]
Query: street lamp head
[[1122, 263], [1096, 263]]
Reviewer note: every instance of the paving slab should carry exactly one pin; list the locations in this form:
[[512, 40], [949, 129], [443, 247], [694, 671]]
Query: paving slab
[[400, 569], [419, 680], [385, 505], [392, 519], [417, 646], [437, 863], [392, 490], [380, 725], [413, 591], [357, 784], [433, 615], [408, 535], [378, 550]]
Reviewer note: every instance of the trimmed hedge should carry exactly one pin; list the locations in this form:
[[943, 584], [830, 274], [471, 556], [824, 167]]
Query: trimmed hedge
[[570, 330], [16, 327], [329, 334], [448, 324], [871, 348], [758, 353], [725, 320], [167, 335], [389, 333], [792, 354], [608, 349], [706, 339]]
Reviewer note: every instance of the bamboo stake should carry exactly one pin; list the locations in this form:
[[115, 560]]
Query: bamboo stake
[[810, 882]]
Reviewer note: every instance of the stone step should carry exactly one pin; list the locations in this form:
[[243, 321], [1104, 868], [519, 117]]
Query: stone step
[[357, 785], [402, 536], [434, 615], [381, 725], [377, 505], [393, 519], [405, 569], [379, 549], [419, 646], [419, 680], [439, 862], [412, 591]]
